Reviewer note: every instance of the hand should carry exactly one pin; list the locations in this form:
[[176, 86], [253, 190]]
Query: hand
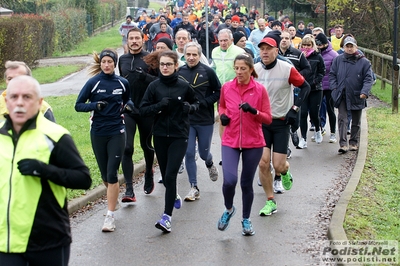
[[291, 117], [100, 105], [203, 103], [224, 120], [363, 96], [130, 108], [246, 107], [140, 72], [188, 108], [164, 103], [31, 167]]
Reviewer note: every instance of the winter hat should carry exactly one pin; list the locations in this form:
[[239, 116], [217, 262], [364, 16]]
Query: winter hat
[[237, 36], [168, 42], [110, 54], [235, 18], [321, 39], [276, 23], [276, 35]]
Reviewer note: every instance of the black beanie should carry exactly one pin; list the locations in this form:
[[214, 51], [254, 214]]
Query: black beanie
[[237, 36], [321, 39], [276, 35], [168, 42]]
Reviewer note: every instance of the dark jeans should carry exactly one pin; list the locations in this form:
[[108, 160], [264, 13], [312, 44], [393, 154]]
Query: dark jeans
[[170, 153], [56, 257]]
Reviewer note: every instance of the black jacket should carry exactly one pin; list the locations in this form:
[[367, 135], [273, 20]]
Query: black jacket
[[207, 87], [170, 121], [298, 60], [317, 71]]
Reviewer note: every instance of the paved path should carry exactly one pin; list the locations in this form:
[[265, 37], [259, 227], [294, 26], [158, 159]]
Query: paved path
[[280, 239]]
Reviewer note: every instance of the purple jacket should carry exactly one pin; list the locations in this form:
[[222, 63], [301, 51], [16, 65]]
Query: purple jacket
[[328, 55]]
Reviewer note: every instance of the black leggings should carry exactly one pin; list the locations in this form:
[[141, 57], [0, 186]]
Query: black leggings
[[55, 257], [145, 126], [170, 153], [108, 152], [310, 105]]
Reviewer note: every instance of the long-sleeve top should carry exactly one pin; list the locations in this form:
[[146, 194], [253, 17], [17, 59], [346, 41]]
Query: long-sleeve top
[[112, 89], [244, 129]]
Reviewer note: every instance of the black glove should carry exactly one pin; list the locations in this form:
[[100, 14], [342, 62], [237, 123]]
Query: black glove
[[163, 103], [203, 103], [141, 73], [224, 119], [188, 108], [246, 107], [31, 167], [291, 117], [129, 108], [100, 105]]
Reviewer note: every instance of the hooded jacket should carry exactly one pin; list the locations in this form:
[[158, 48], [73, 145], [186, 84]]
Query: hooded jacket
[[328, 55]]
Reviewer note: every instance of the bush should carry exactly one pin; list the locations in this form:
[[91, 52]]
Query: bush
[[25, 38]]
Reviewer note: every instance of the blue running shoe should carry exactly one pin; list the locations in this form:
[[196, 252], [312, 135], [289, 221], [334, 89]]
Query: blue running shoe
[[247, 228], [164, 224], [178, 202], [223, 223]]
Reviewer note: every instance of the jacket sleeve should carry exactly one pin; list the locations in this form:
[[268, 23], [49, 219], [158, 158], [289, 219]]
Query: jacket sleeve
[[215, 85], [148, 105], [305, 67], [298, 81], [71, 172], [83, 97], [319, 75], [368, 80], [333, 84]]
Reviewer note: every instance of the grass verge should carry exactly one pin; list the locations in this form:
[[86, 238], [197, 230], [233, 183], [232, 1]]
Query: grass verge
[[374, 210], [78, 125]]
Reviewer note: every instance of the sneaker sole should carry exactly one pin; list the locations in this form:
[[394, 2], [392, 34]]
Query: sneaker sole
[[268, 214], [162, 228], [106, 230], [248, 234], [288, 185], [278, 191], [233, 213], [191, 199], [146, 191], [128, 199]]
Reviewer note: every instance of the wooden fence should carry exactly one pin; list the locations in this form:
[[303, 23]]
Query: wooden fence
[[387, 72]]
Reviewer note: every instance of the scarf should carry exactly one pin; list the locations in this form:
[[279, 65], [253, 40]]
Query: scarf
[[168, 80], [307, 51]]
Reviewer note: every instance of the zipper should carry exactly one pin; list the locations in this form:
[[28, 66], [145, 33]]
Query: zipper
[[9, 194]]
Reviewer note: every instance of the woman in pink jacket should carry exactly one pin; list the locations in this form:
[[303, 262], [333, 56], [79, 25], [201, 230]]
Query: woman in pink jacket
[[244, 106]]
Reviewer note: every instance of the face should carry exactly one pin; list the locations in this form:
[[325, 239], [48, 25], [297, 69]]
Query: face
[[301, 26], [162, 19], [181, 38], [160, 46], [261, 26], [216, 19], [242, 42], [135, 42], [192, 56], [276, 27], [22, 102], [243, 71], [338, 32], [128, 20], [107, 65], [12, 73], [252, 25], [228, 22], [224, 41], [316, 32], [292, 31], [185, 20], [167, 66], [286, 40], [235, 24], [163, 28], [306, 45], [268, 53], [350, 48]]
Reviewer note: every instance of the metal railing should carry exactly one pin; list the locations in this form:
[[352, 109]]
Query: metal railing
[[384, 69]]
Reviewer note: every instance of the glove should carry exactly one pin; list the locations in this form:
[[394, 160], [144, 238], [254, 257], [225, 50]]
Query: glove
[[31, 167], [163, 103], [141, 73], [203, 103], [188, 108], [224, 120], [246, 107], [100, 105], [130, 108], [291, 117]]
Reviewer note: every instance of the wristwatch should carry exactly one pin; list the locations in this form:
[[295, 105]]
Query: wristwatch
[[296, 108]]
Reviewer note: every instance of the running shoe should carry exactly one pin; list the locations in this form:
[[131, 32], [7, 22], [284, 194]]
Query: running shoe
[[343, 149], [353, 148], [148, 184], [223, 222], [323, 131], [213, 172], [109, 224], [193, 194], [312, 128], [287, 180], [247, 228], [289, 153], [295, 138], [269, 208], [129, 195], [278, 189], [164, 223], [178, 202], [181, 168], [332, 138], [302, 144], [318, 137]]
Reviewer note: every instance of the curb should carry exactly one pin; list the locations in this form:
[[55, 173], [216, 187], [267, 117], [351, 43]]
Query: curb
[[99, 191], [335, 229]]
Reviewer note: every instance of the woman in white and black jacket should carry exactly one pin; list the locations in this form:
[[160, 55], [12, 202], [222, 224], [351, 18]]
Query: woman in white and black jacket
[[170, 99]]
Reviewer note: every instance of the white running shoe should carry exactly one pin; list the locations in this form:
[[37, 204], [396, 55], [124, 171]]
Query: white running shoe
[[332, 138], [193, 194], [278, 188], [318, 137], [109, 224], [302, 144]]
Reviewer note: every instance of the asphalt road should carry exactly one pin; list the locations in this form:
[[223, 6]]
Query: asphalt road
[[280, 239]]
